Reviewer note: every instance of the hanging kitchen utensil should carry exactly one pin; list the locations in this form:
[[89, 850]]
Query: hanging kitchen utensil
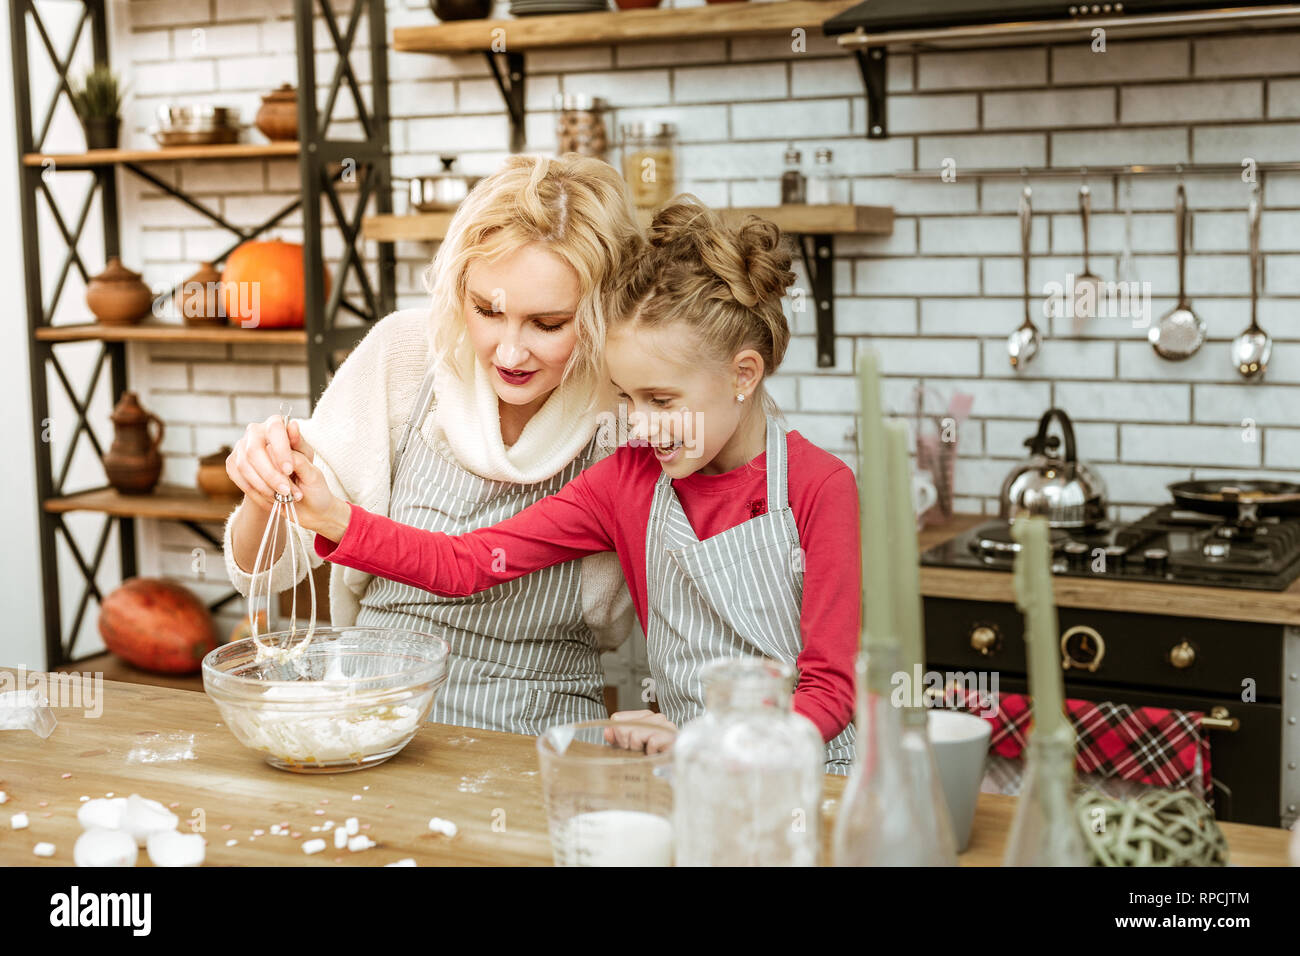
[[1063, 490], [1227, 496], [1252, 348], [1127, 264], [1180, 332], [1087, 286], [1023, 343]]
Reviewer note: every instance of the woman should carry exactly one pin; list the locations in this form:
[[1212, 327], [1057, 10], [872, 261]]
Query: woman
[[458, 417]]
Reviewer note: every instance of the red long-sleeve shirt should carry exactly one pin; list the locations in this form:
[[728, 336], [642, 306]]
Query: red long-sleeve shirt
[[607, 508]]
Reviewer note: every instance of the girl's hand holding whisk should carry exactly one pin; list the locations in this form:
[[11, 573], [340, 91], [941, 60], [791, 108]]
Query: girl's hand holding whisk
[[317, 508]]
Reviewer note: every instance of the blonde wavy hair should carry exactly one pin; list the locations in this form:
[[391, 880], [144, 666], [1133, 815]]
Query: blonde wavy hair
[[580, 207], [725, 282]]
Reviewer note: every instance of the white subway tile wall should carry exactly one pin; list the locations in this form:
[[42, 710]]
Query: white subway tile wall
[[936, 299]]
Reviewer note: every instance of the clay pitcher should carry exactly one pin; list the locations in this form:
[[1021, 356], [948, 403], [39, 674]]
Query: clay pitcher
[[133, 462]]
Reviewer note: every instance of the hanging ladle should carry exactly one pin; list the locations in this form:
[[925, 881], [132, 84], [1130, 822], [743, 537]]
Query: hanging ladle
[[1087, 285], [1252, 348], [1023, 343], [1180, 332]]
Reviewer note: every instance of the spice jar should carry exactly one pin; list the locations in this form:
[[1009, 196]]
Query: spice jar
[[748, 772], [649, 163], [580, 124]]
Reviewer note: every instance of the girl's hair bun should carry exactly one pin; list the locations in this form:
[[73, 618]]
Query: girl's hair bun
[[751, 259]]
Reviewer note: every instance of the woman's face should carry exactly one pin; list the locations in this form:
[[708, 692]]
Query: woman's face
[[519, 311]]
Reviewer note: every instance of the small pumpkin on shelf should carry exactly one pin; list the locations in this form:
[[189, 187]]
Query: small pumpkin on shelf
[[262, 285]]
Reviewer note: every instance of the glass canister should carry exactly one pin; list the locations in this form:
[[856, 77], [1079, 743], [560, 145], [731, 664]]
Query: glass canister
[[748, 772], [580, 125], [649, 162]]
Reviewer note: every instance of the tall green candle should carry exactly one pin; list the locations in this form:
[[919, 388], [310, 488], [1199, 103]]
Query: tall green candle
[[1034, 597], [904, 558], [877, 586]]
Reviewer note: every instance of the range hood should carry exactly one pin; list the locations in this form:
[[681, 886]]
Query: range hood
[[873, 28], [881, 16]]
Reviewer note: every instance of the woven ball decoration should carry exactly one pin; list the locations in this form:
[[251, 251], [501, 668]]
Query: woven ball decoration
[[1158, 828]]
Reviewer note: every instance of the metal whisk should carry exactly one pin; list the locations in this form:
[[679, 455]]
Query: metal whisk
[[283, 508]]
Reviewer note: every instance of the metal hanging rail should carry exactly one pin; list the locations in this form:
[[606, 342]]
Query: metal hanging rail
[[872, 49], [1072, 172]]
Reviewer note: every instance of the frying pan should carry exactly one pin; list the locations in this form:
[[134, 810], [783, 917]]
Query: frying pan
[[1229, 497]]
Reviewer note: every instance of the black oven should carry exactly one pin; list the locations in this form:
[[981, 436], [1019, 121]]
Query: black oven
[[1232, 671]]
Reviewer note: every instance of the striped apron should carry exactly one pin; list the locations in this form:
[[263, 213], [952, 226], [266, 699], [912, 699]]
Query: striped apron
[[737, 593], [522, 658]]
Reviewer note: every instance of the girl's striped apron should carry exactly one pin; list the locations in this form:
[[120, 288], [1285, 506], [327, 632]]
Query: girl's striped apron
[[522, 658], [737, 593]]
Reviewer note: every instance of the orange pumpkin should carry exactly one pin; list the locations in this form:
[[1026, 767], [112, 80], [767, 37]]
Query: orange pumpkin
[[262, 285], [157, 625]]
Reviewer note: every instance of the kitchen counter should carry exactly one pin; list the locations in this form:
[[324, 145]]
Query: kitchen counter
[[170, 745], [1176, 600]]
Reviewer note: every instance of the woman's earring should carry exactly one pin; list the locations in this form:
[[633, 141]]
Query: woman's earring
[[740, 397]]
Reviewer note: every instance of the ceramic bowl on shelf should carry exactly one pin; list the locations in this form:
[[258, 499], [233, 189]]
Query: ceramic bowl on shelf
[[212, 478], [353, 699]]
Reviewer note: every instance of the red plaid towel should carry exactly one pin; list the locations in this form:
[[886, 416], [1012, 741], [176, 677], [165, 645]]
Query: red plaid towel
[[1150, 745]]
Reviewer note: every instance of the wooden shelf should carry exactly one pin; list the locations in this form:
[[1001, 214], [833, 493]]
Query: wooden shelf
[[170, 332], [803, 219], [166, 502], [162, 154], [726, 20]]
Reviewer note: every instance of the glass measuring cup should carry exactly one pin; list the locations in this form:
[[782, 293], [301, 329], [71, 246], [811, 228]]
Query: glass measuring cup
[[606, 805]]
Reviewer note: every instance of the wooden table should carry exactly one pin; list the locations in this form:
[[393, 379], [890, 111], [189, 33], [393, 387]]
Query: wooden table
[[170, 745]]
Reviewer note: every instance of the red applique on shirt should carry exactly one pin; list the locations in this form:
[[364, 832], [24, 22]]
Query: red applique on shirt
[[757, 507]]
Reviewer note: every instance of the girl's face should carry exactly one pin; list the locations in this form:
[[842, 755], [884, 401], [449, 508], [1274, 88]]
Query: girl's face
[[680, 401], [519, 311]]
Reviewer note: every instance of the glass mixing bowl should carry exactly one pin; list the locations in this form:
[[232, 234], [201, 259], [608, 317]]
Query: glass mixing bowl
[[355, 697]]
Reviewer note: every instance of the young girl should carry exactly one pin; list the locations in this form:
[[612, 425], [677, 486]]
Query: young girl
[[735, 537]]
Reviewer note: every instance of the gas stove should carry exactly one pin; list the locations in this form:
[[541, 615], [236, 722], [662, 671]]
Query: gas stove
[[1168, 544]]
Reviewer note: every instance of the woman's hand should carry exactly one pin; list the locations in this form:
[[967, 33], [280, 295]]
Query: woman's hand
[[260, 463], [316, 507], [641, 738]]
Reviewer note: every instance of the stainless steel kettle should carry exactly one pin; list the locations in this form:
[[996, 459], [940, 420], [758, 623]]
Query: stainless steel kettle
[[1063, 490]]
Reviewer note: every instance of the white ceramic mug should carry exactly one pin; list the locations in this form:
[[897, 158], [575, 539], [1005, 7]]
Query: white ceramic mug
[[960, 742]]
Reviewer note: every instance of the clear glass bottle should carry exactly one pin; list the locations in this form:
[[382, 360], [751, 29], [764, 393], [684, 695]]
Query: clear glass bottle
[[794, 184], [892, 812], [650, 162], [824, 187], [748, 773], [1045, 831]]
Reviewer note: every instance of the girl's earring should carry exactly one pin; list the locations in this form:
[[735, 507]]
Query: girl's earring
[[740, 397]]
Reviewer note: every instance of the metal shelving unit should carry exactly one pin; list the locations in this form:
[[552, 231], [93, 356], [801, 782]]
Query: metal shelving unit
[[325, 163]]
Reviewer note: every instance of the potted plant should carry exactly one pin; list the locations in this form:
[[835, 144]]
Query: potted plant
[[97, 103]]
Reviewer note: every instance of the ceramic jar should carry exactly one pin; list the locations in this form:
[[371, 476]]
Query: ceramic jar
[[277, 117], [212, 479], [118, 296], [198, 299], [133, 463]]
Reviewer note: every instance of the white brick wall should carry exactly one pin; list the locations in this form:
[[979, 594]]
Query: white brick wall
[[936, 299]]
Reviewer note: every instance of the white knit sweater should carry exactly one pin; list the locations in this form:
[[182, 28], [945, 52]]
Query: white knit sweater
[[356, 428]]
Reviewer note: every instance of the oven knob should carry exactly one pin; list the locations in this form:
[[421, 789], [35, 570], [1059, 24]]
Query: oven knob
[[1156, 559], [1076, 552], [1182, 656], [986, 639]]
